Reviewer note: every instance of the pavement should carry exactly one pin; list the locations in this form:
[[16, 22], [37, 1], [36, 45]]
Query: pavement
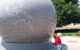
[[1, 47], [72, 43]]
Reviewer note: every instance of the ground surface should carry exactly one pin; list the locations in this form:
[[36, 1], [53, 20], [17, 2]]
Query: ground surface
[[73, 43]]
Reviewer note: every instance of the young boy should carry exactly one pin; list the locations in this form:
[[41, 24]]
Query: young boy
[[58, 41]]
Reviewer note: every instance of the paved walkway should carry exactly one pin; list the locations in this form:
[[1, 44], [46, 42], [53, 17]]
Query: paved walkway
[[73, 43]]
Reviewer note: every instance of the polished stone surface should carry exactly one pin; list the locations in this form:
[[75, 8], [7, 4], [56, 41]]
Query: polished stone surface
[[26, 20], [29, 46]]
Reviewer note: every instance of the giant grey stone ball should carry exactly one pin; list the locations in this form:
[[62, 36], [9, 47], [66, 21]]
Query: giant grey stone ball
[[27, 20]]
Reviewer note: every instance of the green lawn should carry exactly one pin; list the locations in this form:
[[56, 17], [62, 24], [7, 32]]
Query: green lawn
[[71, 34]]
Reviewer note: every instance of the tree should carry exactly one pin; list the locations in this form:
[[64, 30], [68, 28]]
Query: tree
[[73, 1], [67, 11]]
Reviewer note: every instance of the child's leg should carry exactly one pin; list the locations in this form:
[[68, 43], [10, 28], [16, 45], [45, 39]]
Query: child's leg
[[59, 47]]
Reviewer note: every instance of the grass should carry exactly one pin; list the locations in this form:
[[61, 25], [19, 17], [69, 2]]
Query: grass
[[71, 34]]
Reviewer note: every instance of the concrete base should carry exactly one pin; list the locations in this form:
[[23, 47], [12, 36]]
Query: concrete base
[[29, 46]]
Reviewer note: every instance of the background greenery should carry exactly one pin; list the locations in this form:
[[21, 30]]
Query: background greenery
[[68, 11], [74, 34]]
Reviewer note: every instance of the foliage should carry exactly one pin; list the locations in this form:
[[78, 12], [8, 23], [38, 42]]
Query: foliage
[[67, 11], [74, 34]]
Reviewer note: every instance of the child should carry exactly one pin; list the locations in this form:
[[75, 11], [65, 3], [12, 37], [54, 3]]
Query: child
[[58, 41]]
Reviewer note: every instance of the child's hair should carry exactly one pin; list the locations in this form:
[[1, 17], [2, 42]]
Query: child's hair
[[59, 34]]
